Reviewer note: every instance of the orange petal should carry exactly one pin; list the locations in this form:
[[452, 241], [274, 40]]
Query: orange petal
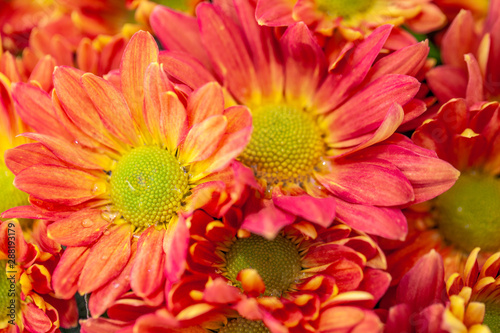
[[139, 53], [112, 107], [148, 272], [156, 83], [106, 260], [251, 282], [173, 120], [80, 229], [205, 102], [59, 184], [68, 270], [203, 139]]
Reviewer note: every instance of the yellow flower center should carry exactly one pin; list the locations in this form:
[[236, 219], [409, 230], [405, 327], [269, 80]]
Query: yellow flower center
[[10, 291], [9, 195], [278, 262], [286, 145], [148, 186], [344, 8], [468, 214], [240, 325], [492, 316]]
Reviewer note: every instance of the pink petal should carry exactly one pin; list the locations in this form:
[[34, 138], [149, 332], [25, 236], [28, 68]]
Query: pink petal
[[424, 284], [265, 219], [371, 105], [385, 222], [317, 210], [228, 52], [185, 68], [178, 32], [274, 13]]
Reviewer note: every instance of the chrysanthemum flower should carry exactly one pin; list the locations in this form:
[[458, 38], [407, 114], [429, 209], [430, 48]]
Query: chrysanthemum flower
[[295, 278], [26, 300], [354, 19], [318, 136], [475, 305], [467, 215], [131, 162], [479, 38]]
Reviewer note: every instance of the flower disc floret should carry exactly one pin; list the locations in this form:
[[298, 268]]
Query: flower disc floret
[[344, 8], [469, 214], [244, 325], [285, 146], [492, 317], [10, 196], [278, 262], [148, 186]]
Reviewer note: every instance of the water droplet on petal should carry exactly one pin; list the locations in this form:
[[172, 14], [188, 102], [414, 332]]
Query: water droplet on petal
[[98, 188], [87, 223], [104, 257], [107, 232]]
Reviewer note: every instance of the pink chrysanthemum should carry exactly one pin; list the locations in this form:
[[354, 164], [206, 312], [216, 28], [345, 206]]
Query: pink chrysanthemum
[[320, 136], [131, 162]]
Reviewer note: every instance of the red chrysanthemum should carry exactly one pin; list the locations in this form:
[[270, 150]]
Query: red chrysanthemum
[[321, 137], [132, 161], [27, 300]]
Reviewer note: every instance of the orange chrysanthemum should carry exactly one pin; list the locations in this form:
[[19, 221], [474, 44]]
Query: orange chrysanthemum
[[132, 161], [27, 302]]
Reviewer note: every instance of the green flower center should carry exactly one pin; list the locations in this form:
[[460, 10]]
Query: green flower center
[[9, 195], [286, 145], [148, 186], [242, 325], [492, 317], [344, 8], [468, 214], [9, 294], [277, 261]]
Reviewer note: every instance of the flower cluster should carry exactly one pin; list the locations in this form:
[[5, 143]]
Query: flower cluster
[[250, 166]]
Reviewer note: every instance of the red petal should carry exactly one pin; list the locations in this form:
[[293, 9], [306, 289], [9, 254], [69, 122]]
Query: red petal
[[175, 246], [317, 210]]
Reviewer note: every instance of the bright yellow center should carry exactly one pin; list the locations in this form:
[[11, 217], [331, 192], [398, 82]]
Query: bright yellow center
[[9, 195], [242, 325], [344, 8], [286, 145], [468, 214], [492, 317], [278, 262], [9, 294], [148, 186]]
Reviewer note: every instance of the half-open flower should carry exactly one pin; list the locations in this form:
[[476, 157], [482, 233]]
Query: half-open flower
[[27, 302], [131, 162], [318, 134]]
